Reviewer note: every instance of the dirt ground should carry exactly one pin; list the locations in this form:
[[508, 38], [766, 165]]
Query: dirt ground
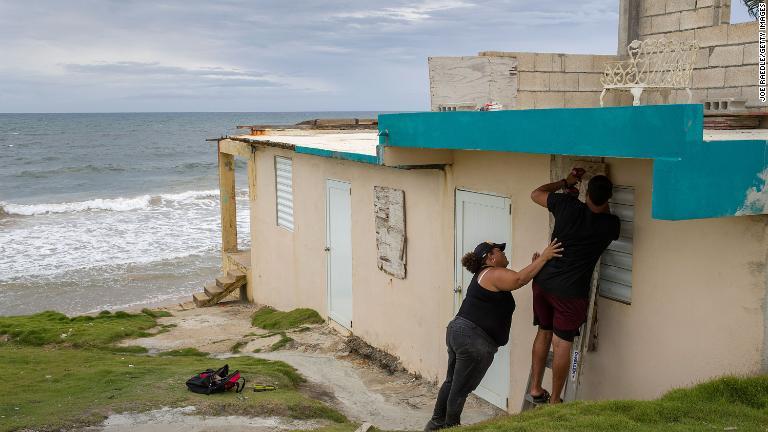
[[185, 420], [363, 391]]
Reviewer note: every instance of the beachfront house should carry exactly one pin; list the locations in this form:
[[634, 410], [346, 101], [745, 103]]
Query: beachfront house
[[368, 226]]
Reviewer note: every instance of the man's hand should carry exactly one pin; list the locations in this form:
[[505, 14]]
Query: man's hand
[[575, 176]]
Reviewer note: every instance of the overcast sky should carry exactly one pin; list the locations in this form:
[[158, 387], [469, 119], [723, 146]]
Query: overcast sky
[[265, 55]]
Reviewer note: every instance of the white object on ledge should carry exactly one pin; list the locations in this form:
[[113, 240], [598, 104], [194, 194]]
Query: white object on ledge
[[654, 64]]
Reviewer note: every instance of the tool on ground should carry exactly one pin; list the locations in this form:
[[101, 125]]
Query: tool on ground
[[263, 387]]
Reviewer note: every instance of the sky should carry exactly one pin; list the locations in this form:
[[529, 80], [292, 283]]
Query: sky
[[267, 55]]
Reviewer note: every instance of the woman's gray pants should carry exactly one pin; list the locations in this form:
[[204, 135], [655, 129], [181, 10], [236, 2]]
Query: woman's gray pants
[[470, 354]]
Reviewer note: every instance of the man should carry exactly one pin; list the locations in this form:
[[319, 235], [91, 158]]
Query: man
[[561, 289]]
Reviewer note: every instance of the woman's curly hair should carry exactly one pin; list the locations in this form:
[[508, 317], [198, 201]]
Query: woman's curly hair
[[472, 262]]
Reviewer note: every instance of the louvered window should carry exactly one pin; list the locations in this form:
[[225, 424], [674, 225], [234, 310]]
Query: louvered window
[[284, 191], [616, 263]]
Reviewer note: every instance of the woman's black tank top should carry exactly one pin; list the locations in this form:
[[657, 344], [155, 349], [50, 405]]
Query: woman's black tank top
[[489, 310]]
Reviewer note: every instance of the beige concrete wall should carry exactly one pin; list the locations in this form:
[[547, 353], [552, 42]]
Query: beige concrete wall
[[698, 286], [554, 80], [697, 301], [405, 317]]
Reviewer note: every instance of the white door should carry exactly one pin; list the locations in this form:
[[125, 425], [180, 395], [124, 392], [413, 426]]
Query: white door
[[339, 251], [482, 217]]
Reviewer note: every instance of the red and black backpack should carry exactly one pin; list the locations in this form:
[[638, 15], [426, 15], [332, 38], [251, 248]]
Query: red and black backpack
[[216, 381]]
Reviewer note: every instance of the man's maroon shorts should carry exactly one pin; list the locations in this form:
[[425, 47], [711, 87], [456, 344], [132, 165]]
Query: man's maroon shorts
[[561, 315]]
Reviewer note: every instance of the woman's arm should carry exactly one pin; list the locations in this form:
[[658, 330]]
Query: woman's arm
[[510, 280]]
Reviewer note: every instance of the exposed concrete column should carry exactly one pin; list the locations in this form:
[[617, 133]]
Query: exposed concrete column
[[252, 175], [228, 203], [629, 24], [249, 294]]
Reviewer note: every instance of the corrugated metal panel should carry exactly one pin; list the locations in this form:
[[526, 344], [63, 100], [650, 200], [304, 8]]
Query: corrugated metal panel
[[284, 191], [616, 263]]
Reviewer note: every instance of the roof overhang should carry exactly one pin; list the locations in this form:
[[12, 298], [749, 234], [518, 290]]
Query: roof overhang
[[692, 179]]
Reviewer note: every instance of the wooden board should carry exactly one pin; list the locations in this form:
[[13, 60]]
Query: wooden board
[[389, 209], [472, 81]]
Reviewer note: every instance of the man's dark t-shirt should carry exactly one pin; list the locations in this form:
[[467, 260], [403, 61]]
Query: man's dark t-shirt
[[584, 235]]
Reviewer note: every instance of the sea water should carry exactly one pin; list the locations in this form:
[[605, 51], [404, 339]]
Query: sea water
[[113, 211]]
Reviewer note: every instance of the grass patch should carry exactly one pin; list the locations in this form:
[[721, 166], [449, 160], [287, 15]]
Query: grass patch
[[66, 387], [54, 328], [270, 334], [81, 377], [256, 350], [131, 349], [271, 319], [156, 313], [740, 403], [184, 352], [236, 347], [284, 340]]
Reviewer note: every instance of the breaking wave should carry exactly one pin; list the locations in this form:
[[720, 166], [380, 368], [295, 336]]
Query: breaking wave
[[103, 204]]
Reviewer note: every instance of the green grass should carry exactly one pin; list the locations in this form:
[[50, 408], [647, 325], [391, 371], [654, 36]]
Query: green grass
[[66, 387], [156, 313], [284, 340], [53, 328], [236, 347], [79, 378], [184, 352], [271, 319], [715, 405]]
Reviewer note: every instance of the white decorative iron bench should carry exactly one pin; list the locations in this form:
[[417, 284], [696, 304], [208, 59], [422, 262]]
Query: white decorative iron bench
[[654, 64]]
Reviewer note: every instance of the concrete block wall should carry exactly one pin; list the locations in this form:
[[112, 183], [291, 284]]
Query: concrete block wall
[[726, 65], [549, 80], [664, 16]]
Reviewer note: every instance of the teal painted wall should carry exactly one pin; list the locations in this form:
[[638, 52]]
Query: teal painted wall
[[692, 178], [714, 179], [357, 157], [656, 131]]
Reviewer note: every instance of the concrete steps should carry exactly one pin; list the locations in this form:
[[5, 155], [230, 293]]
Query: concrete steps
[[214, 292]]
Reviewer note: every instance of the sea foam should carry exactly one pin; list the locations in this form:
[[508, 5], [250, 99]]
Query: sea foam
[[102, 204]]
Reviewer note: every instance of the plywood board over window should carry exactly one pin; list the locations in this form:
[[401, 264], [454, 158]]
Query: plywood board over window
[[389, 208]]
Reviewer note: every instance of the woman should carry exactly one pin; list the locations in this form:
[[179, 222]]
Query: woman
[[482, 324]]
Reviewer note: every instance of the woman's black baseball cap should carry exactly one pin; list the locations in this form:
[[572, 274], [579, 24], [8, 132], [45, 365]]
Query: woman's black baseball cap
[[483, 248]]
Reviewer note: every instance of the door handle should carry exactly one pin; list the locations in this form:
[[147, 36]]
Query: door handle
[[327, 249]]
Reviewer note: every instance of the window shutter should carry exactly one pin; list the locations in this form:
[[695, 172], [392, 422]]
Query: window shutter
[[284, 191], [616, 264]]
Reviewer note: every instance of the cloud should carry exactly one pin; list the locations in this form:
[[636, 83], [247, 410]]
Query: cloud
[[143, 70], [412, 13], [86, 55]]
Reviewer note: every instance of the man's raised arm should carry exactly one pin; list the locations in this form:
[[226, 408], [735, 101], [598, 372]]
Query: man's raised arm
[[540, 194]]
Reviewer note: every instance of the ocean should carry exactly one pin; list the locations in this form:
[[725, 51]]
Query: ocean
[[114, 211]]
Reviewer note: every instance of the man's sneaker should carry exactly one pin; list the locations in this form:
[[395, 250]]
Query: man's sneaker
[[538, 400]]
